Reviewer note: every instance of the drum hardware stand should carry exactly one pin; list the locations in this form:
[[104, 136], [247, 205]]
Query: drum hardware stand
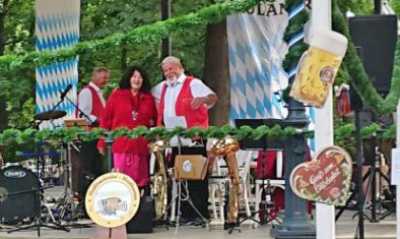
[[68, 196], [186, 198], [375, 177], [38, 224], [267, 204], [266, 198]]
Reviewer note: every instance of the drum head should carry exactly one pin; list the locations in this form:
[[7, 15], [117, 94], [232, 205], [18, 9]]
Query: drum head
[[19, 196], [112, 200]]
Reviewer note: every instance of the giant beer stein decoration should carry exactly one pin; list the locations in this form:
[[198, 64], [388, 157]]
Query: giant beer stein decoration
[[318, 67], [228, 147]]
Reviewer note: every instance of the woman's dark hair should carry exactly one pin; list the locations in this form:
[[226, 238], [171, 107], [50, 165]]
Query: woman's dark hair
[[125, 82]]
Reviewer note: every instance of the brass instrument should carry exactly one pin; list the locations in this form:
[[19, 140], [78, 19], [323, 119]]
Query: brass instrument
[[160, 179], [228, 147]]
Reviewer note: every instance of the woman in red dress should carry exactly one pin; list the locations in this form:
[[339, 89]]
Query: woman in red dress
[[130, 106]]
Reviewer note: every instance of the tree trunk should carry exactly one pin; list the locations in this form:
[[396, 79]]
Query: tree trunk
[[3, 100], [124, 57], [216, 71]]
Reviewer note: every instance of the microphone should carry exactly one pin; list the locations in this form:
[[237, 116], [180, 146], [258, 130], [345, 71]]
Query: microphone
[[64, 93]]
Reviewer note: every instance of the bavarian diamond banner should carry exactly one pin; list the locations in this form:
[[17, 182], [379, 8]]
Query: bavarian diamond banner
[[57, 27], [256, 52]]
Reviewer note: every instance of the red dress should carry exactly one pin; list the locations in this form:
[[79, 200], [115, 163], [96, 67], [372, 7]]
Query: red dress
[[123, 110]]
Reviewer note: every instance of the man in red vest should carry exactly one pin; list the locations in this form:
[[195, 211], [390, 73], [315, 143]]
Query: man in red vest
[[184, 101], [90, 99], [92, 103]]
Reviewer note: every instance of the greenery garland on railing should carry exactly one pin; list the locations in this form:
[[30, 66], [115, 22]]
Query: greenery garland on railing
[[143, 34], [64, 135], [15, 136], [359, 78]]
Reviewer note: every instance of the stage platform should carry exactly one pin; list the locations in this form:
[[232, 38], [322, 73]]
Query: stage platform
[[345, 229]]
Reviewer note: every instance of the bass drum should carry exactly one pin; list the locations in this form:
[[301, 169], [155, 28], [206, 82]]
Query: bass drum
[[19, 194], [112, 200]]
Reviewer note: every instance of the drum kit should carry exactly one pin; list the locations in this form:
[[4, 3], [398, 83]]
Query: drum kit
[[23, 204], [112, 199]]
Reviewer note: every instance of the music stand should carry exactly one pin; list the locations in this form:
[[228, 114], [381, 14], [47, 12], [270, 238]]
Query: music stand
[[182, 186], [263, 144]]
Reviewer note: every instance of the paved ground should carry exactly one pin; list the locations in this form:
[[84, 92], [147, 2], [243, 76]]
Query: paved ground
[[345, 228]]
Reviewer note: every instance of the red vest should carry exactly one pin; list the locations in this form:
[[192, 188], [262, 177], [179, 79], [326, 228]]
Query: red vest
[[194, 118], [97, 106]]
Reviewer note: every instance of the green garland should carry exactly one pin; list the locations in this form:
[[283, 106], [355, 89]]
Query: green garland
[[295, 25], [27, 136], [148, 33], [347, 131], [351, 63], [15, 136], [359, 77]]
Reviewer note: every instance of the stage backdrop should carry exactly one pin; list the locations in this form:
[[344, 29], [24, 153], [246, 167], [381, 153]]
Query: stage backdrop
[[57, 27], [256, 51]]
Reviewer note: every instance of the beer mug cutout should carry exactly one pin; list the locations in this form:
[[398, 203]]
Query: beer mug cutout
[[318, 67]]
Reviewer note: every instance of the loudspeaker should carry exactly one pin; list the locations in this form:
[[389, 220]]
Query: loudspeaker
[[142, 222], [376, 36]]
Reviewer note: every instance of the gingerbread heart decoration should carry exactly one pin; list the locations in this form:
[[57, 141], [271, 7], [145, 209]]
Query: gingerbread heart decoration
[[325, 179]]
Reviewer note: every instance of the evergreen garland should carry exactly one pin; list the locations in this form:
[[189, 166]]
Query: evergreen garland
[[355, 72], [148, 33]]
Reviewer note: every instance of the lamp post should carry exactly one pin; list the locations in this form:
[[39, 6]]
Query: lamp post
[[377, 6], [296, 223], [165, 14]]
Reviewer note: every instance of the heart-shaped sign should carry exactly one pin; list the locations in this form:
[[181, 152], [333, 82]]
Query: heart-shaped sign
[[325, 179]]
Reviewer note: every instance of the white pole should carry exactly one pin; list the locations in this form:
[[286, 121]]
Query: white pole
[[325, 215], [397, 185]]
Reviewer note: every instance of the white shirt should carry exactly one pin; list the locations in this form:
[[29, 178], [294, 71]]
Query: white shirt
[[198, 88], [86, 102]]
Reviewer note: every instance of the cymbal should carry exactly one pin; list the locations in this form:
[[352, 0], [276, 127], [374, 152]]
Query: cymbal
[[49, 115]]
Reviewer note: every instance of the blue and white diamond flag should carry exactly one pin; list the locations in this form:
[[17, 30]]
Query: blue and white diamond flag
[[256, 52], [57, 27]]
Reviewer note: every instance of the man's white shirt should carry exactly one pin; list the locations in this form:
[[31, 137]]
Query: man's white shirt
[[171, 120], [86, 102], [198, 88]]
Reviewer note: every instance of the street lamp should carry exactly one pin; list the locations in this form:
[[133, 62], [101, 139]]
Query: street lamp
[[296, 223]]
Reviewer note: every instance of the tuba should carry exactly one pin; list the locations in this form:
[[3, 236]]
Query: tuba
[[160, 179], [228, 147]]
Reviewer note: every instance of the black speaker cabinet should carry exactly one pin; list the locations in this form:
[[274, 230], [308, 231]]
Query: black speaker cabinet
[[375, 39], [142, 222]]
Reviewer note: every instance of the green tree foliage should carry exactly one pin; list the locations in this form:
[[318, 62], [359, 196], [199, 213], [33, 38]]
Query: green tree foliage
[[16, 36], [99, 18], [358, 7], [395, 5]]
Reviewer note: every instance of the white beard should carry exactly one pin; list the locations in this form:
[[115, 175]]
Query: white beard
[[172, 79]]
